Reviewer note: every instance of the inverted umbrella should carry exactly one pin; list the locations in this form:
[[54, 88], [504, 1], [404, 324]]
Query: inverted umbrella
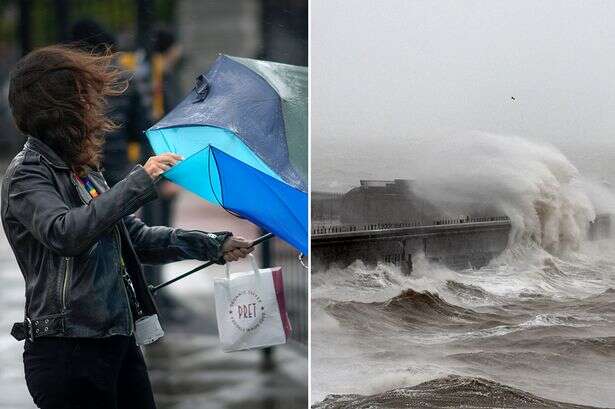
[[243, 134]]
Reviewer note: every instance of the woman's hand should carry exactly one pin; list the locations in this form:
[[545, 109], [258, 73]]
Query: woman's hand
[[235, 248], [157, 165]]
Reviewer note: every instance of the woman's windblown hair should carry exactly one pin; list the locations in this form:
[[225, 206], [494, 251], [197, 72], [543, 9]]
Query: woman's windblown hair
[[58, 95]]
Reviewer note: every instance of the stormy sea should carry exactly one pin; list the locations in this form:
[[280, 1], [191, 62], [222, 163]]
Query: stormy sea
[[535, 328]]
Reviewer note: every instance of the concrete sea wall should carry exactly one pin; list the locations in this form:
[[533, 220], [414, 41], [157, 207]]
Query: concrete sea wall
[[470, 243]]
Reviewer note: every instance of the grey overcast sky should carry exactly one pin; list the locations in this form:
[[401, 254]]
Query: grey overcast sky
[[403, 69]]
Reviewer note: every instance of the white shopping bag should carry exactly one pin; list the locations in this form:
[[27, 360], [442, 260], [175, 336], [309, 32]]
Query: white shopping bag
[[250, 309]]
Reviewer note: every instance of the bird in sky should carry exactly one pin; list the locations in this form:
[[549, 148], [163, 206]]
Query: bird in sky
[[513, 98]]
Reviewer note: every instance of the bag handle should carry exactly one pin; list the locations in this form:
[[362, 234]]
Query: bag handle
[[254, 267]]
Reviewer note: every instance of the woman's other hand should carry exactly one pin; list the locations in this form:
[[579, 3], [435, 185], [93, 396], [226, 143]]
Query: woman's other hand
[[157, 165], [235, 248]]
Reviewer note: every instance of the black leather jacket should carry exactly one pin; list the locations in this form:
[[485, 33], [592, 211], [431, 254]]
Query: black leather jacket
[[68, 245]]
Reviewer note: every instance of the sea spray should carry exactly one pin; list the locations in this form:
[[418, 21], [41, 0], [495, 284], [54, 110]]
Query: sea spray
[[532, 183]]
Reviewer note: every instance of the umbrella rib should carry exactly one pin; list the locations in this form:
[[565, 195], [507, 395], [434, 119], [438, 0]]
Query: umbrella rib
[[211, 185], [211, 153], [166, 142]]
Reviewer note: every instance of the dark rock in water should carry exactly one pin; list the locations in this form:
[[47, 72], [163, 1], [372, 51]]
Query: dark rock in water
[[446, 393]]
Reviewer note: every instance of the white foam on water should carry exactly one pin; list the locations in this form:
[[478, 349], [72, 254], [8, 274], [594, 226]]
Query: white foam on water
[[549, 258]]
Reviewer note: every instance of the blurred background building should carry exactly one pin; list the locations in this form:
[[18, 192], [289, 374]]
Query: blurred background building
[[188, 369]]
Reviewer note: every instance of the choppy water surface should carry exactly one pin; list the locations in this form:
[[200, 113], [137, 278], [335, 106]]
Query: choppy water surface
[[533, 328], [531, 321]]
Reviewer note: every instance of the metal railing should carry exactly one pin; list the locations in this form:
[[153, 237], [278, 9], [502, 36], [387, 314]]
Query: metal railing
[[347, 228], [295, 287]]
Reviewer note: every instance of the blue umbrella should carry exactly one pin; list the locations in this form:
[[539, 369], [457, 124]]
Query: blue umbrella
[[243, 133]]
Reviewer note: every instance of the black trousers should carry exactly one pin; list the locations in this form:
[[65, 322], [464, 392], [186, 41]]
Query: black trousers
[[87, 373]]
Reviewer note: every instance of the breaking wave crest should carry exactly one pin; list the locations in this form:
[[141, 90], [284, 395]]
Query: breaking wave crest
[[543, 193], [410, 310]]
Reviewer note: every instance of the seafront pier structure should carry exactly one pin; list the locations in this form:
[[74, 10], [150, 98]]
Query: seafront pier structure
[[458, 243], [374, 222], [387, 220]]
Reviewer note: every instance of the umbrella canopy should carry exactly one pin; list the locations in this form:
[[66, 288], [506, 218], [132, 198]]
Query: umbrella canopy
[[243, 134]]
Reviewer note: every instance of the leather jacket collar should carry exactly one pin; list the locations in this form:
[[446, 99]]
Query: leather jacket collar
[[46, 152]]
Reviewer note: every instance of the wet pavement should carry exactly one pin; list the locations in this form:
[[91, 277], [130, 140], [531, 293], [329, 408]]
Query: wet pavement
[[192, 372], [188, 369]]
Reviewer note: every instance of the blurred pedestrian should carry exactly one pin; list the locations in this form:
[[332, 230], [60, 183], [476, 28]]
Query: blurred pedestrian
[[76, 241]]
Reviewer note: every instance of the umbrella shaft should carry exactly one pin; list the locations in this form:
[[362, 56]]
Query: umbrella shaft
[[153, 289]]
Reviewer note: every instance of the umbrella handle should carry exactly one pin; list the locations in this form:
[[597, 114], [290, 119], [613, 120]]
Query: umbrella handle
[[154, 289]]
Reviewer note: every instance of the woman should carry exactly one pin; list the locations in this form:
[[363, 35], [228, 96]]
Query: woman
[[76, 242]]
